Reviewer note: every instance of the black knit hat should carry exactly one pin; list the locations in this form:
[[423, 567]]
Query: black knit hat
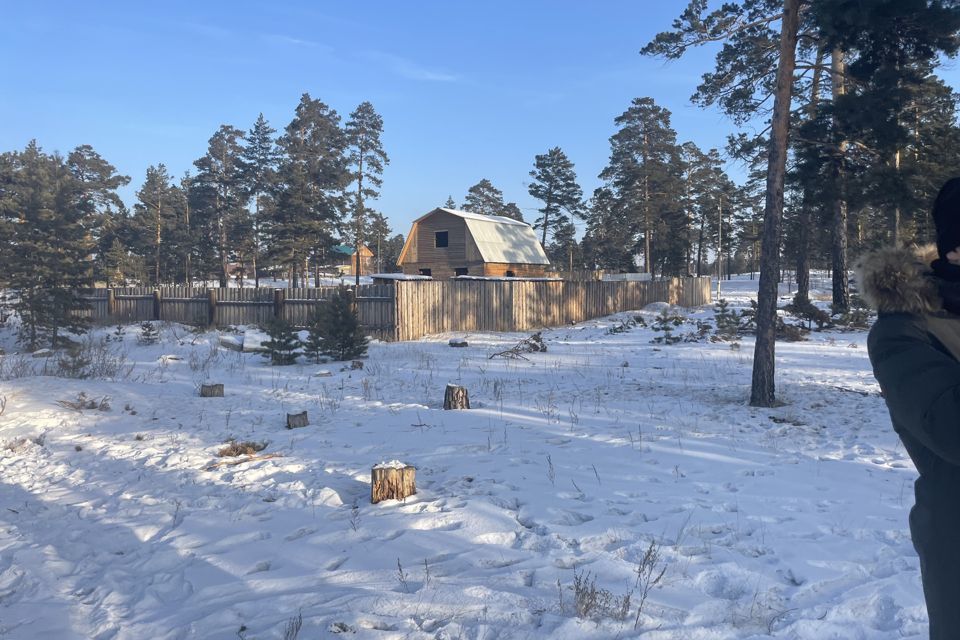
[[946, 217]]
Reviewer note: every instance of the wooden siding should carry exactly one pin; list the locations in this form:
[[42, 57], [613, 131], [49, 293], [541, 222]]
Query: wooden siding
[[456, 249], [499, 270]]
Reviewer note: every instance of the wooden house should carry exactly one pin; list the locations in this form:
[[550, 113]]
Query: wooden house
[[347, 259], [446, 243]]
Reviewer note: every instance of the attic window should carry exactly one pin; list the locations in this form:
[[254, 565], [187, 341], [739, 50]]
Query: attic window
[[426, 272], [440, 239], [460, 271]]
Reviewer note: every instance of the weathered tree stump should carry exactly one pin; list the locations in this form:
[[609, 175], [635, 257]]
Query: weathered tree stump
[[456, 397], [211, 390], [392, 481], [356, 364], [297, 420]]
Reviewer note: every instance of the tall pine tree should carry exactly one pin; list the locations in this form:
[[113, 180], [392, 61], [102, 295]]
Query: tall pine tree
[[313, 175], [366, 159], [260, 160], [555, 184]]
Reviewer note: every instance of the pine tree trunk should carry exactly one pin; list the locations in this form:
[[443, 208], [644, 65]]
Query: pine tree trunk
[[359, 220], [841, 295], [256, 242], [700, 246], [763, 388], [648, 263], [803, 255], [803, 243], [896, 209]]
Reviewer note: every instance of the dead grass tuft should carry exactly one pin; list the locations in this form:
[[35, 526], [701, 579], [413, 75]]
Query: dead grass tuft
[[247, 448]]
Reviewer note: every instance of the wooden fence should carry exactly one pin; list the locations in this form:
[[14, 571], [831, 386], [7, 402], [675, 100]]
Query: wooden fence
[[222, 307], [428, 307], [406, 310]]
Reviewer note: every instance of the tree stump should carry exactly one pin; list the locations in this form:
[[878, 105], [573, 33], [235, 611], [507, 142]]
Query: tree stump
[[456, 397], [211, 391], [297, 420], [356, 364], [392, 481]]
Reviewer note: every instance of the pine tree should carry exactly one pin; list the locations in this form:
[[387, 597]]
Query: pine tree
[[283, 345], [742, 82], [117, 261], [313, 174], [449, 204], [260, 160], [367, 159], [390, 254], [98, 181], [48, 206], [155, 218], [607, 243], [337, 322], [709, 199], [512, 210], [564, 252], [644, 174], [486, 199], [220, 178], [379, 233], [555, 184]]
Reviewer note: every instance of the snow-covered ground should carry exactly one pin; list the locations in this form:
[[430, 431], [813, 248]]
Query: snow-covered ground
[[572, 467]]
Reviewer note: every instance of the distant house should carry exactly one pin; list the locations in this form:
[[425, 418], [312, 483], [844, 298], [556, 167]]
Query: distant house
[[346, 260], [446, 243]]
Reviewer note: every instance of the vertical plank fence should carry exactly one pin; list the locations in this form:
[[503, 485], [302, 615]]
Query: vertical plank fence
[[430, 307], [405, 310]]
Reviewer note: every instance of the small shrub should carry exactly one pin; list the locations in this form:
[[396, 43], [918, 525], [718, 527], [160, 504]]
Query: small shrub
[[74, 363], [591, 602], [283, 344], [234, 449]]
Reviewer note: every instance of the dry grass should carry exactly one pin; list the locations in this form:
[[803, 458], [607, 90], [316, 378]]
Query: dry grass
[[82, 401], [247, 448]]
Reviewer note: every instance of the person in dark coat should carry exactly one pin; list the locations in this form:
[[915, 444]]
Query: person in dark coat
[[914, 348]]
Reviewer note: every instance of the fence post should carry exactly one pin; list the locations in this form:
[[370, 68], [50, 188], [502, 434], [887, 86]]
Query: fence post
[[278, 303], [156, 304], [211, 306], [111, 304]]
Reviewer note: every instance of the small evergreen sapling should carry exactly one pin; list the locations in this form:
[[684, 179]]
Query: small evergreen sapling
[[283, 343], [313, 346], [149, 334], [339, 326], [728, 323]]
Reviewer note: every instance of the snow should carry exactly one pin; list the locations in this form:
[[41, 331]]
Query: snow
[[571, 465]]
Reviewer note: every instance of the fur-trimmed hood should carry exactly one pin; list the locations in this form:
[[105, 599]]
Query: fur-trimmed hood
[[899, 280]]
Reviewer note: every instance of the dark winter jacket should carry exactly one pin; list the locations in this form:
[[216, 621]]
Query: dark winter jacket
[[914, 348]]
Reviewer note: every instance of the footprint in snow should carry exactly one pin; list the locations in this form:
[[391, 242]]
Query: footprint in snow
[[299, 533], [571, 518]]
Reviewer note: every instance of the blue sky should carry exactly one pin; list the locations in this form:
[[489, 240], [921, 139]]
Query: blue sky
[[466, 90]]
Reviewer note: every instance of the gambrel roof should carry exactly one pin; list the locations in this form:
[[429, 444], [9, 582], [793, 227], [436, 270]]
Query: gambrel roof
[[499, 239]]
